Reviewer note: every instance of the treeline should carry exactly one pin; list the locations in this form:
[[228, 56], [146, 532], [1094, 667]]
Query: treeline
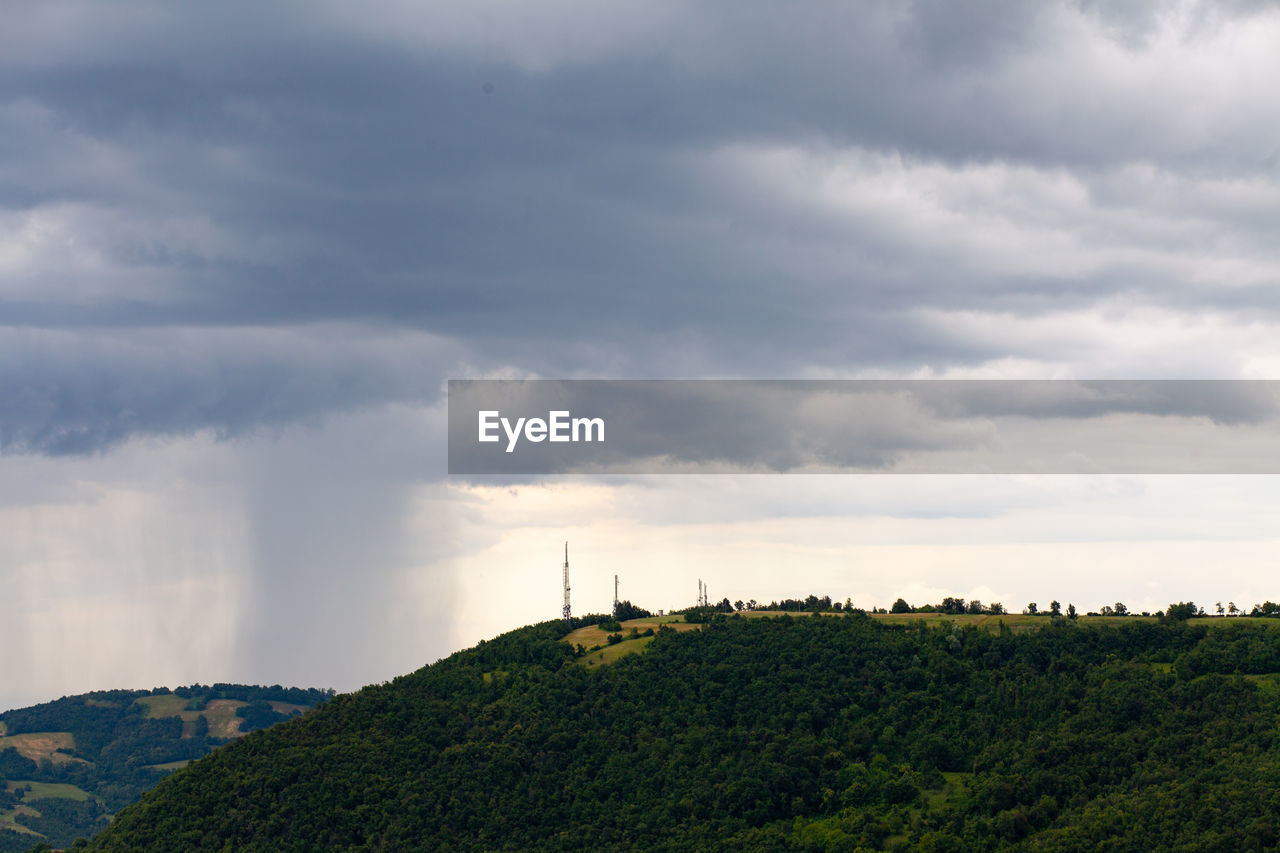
[[959, 606], [626, 610], [770, 734], [810, 604], [307, 696]]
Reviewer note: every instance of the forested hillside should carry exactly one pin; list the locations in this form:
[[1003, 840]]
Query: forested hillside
[[66, 765], [788, 733]]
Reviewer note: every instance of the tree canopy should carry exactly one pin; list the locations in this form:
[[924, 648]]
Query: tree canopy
[[788, 733]]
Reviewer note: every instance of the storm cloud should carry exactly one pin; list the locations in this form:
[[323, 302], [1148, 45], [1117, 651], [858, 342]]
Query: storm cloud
[[648, 188], [863, 426], [235, 230]]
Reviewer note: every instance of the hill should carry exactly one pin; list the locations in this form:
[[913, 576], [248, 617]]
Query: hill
[[772, 733], [65, 766]]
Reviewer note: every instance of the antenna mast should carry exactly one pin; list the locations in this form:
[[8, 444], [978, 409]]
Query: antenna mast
[[567, 616], [615, 596]]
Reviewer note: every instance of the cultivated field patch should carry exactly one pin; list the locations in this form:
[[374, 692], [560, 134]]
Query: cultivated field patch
[[164, 705], [7, 820], [592, 635], [220, 714], [47, 790], [609, 654], [170, 765], [42, 746]]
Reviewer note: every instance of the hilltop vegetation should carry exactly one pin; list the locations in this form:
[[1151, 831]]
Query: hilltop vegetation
[[786, 733], [66, 765]]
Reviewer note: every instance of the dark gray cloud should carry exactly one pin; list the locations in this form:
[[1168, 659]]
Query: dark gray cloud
[[67, 392], [658, 190], [880, 426], [287, 224]]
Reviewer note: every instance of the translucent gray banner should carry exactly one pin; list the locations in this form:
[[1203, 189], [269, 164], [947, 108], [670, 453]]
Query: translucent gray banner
[[533, 427]]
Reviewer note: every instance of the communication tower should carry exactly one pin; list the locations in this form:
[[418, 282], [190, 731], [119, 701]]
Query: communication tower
[[567, 615]]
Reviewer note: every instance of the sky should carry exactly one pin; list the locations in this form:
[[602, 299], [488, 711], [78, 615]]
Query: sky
[[243, 247]]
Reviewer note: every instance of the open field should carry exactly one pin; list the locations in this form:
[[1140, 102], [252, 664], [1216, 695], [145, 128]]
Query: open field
[[1235, 620], [221, 713], [600, 653], [591, 635], [165, 705], [609, 654], [992, 621], [42, 746], [38, 791], [7, 820], [170, 765], [47, 790], [286, 707], [1268, 683], [1013, 620]]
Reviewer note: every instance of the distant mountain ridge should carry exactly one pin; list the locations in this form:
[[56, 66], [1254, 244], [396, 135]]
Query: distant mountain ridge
[[66, 765]]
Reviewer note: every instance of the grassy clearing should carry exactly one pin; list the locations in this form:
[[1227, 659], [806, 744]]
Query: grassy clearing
[[592, 635], [1232, 621], [42, 746], [48, 790], [935, 800], [286, 707], [1268, 684], [38, 791], [989, 621], [220, 713], [164, 705], [609, 654], [4, 729], [170, 765], [794, 613], [7, 820]]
